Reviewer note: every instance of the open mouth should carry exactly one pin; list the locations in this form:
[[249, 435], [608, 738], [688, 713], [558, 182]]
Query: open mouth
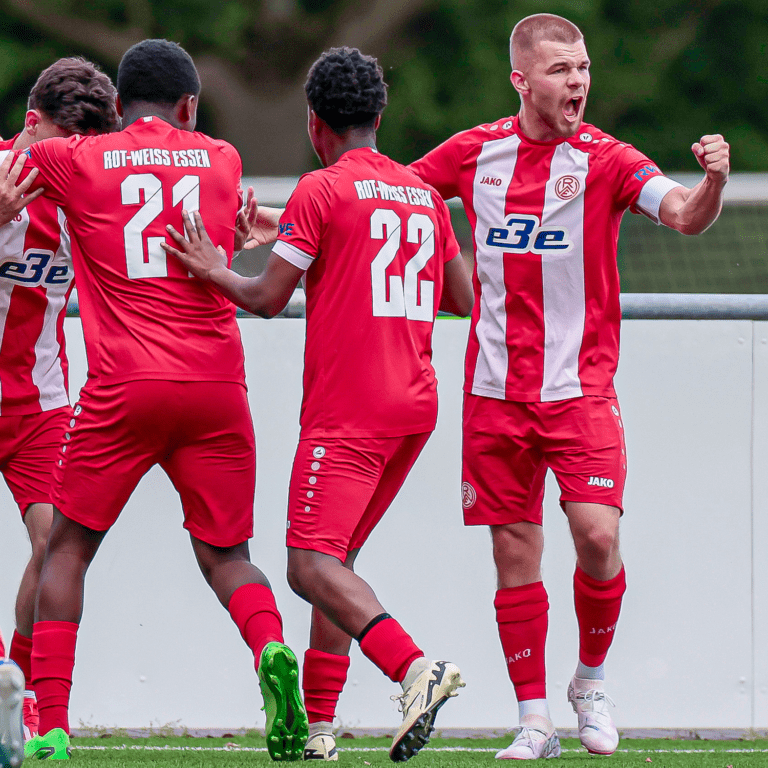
[[572, 107]]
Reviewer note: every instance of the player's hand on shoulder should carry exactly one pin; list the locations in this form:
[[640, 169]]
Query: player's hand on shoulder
[[12, 194], [195, 251], [713, 154]]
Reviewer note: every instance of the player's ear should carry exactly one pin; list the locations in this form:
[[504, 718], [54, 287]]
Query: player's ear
[[377, 123], [186, 111], [519, 83], [119, 107], [32, 121]]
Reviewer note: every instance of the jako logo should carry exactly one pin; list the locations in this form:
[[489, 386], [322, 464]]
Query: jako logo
[[602, 482], [492, 180], [518, 656], [601, 631], [524, 234]]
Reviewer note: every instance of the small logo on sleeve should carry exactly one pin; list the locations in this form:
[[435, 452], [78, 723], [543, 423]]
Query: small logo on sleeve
[[601, 482], [285, 229], [646, 171]]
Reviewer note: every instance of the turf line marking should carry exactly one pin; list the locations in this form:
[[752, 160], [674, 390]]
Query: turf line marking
[[169, 748]]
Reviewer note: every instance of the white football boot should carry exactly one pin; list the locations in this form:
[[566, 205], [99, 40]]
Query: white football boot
[[534, 738], [11, 723], [321, 746], [596, 729], [419, 704]]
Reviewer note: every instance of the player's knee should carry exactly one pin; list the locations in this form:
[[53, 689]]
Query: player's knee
[[598, 543], [517, 548], [305, 574]]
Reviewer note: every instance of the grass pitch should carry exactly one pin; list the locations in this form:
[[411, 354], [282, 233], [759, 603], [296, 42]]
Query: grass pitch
[[178, 751]]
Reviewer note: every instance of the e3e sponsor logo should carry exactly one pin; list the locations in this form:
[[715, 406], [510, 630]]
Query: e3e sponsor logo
[[523, 233], [35, 270]]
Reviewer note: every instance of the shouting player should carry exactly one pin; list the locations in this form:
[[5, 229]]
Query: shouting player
[[160, 345], [545, 193], [379, 256], [70, 97]]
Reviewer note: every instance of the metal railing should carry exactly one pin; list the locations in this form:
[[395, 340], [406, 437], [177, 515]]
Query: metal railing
[[634, 306]]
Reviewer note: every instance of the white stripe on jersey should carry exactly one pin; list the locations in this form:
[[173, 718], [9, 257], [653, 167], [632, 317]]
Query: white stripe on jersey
[[563, 280], [489, 204], [11, 244], [5, 303], [47, 374]]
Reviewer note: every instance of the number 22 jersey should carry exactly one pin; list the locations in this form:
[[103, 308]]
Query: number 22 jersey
[[373, 238], [143, 316]]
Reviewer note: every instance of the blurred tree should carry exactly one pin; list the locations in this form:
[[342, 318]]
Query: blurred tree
[[663, 73], [252, 56]]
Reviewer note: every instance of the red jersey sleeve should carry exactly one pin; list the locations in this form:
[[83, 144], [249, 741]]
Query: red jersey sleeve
[[304, 220], [53, 159], [633, 171], [237, 166], [440, 167]]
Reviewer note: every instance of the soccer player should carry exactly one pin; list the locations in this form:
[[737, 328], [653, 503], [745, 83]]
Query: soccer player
[[70, 97], [376, 248], [161, 346], [545, 193]]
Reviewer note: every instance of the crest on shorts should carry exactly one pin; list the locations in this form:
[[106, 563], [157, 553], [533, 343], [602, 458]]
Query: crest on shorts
[[567, 187], [468, 496]]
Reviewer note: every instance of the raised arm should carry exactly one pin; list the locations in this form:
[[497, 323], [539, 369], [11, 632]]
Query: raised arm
[[691, 211], [265, 295], [13, 197]]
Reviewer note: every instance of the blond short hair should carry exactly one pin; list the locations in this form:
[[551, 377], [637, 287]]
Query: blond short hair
[[534, 29]]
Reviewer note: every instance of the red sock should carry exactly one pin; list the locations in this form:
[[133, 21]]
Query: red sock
[[598, 604], [21, 653], [253, 609], [521, 613], [2, 647], [390, 648], [323, 681], [53, 659]]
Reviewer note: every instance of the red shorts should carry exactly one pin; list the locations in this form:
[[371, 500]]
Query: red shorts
[[29, 447], [200, 433], [508, 447], [341, 488]]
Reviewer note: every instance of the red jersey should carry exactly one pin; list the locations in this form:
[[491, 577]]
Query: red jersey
[[144, 316], [545, 217], [35, 282], [373, 238]]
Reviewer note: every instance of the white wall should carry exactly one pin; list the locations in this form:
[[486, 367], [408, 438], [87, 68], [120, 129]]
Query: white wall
[[156, 648]]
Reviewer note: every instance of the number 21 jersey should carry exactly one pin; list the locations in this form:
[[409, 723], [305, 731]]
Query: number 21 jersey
[[373, 238], [143, 316]]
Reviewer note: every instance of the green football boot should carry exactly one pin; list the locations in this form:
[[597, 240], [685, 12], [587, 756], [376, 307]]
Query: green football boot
[[287, 726], [53, 746]]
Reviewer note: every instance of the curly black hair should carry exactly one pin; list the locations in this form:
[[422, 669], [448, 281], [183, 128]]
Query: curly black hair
[[77, 96], [346, 89], [158, 72]]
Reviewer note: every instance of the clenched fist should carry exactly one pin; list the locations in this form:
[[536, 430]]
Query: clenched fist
[[713, 153]]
